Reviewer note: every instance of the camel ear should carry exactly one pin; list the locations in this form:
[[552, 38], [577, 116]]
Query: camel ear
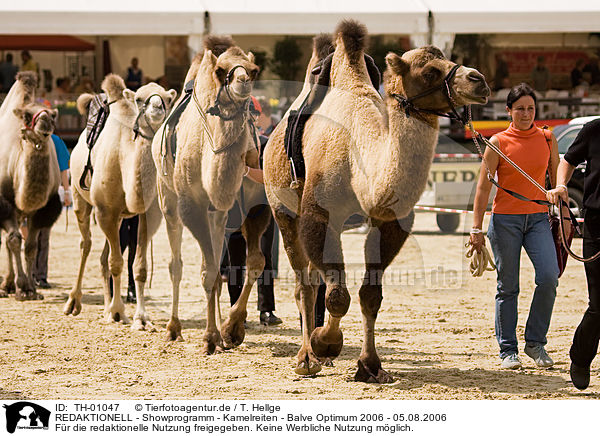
[[251, 56], [211, 57], [18, 113], [129, 95], [172, 93], [53, 113], [396, 64]]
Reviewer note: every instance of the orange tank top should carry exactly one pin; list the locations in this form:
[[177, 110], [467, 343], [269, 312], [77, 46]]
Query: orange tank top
[[531, 152]]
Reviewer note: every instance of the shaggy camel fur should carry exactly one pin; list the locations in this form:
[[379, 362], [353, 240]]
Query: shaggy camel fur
[[199, 187], [123, 184], [29, 179], [363, 155]]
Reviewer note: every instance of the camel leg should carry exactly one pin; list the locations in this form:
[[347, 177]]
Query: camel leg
[[149, 223], [109, 222], [195, 217], [321, 240], [82, 211], [253, 228], [25, 281], [383, 243], [105, 272], [305, 293], [12, 240], [168, 206]]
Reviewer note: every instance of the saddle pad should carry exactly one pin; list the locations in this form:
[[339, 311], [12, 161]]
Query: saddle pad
[[97, 114], [171, 137]]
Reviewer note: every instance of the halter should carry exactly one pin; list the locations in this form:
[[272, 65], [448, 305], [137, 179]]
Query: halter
[[407, 103], [136, 125], [215, 109], [31, 126]]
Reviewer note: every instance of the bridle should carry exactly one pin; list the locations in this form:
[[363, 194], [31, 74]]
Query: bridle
[[142, 111], [408, 106], [31, 126], [216, 109]]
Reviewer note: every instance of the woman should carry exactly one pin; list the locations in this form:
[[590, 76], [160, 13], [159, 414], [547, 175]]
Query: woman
[[517, 224]]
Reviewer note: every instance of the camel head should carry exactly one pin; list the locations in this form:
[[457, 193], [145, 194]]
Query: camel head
[[153, 104], [234, 72], [424, 76], [37, 120]]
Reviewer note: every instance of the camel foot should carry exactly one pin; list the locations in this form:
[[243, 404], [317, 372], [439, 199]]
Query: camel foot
[[116, 315], [212, 343], [233, 333], [309, 365], [174, 330], [326, 346], [326, 361], [72, 307], [8, 286], [142, 323], [3, 293], [376, 375], [23, 295]]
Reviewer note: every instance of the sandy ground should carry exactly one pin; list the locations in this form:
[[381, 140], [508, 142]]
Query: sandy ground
[[434, 334]]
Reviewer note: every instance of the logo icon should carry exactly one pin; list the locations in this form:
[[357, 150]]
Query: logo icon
[[26, 415]]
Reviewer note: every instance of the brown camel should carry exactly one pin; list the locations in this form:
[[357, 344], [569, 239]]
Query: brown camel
[[198, 186], [29, 179], [123, 184], [365, 155]]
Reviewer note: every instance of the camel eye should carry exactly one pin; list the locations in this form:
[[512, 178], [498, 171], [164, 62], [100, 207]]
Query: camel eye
[[431, 74], [221, 74], [253, 74]]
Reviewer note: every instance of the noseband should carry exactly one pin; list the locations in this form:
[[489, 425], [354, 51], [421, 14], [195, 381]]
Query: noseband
[[136, 125], [34, 120], [215, 110], [408, 106]]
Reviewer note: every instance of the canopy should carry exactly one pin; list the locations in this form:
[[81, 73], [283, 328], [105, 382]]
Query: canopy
[[44, 42]]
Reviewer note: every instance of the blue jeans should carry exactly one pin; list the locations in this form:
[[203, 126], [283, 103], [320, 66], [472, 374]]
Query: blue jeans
[[507, 234]]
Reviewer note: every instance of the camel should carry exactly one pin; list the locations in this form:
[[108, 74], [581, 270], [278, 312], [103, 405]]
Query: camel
[[29, 179], [366, 155], [123, 184], [199, 183]]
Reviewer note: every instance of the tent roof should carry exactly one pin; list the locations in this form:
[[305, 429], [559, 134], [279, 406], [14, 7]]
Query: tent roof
[[44, 42]]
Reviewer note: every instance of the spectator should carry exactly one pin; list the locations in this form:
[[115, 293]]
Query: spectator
[[577, 73], [8, 72], [85, 85], [29, 64], [128, 236], [40, 268], [134, 75], [62, 91], [593, 67], [501, 73], [540, 75]]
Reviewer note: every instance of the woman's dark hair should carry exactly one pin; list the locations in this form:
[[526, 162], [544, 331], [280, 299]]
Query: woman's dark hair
[[521, 90]]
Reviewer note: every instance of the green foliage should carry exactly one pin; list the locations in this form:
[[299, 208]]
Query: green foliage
[[379, 49], [260, 59], [286, 59]]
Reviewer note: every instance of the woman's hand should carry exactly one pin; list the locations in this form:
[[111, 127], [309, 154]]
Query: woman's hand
[[477, 241], [560, 192]]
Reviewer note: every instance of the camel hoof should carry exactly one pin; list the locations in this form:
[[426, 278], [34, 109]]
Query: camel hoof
[[117, 316], [366, 375], [174, 330], [72, 307], [22, 295], [233, 333], [212, 343], [326, 361], [141, 324], [3, 293], [8, 286], [309, 365], [326, 347]]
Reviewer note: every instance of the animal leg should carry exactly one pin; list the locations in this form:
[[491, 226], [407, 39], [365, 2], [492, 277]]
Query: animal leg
[[148, 225], [168, 206], [383, 243], [8, 284], [82, 211], [323, 246], [195, 218], [252, 229], [305, 293], [109, 222]]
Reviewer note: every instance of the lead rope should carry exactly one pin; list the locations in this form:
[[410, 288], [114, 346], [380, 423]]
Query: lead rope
[[480, 261]]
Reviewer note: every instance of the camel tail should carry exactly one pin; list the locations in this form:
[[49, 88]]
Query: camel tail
[[83, 103], [354, 36], [322, 45], [114, 86], [28, 79]]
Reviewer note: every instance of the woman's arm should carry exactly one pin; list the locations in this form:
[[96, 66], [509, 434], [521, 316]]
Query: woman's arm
[[554, 160], [482, 194], [254, 174]]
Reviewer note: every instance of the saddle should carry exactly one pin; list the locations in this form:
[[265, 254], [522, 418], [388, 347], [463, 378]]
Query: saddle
[[297, 118], [169, 135]]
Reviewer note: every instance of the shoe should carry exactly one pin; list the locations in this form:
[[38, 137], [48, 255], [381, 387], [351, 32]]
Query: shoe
[[511, 361], [538, 353], [580, 376], [269, 318], [43, 284]]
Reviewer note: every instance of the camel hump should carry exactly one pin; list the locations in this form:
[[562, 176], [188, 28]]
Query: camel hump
[[322, 45], [354, 36], [28, 79], [218, 44], [114, 86], [83, 103]]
